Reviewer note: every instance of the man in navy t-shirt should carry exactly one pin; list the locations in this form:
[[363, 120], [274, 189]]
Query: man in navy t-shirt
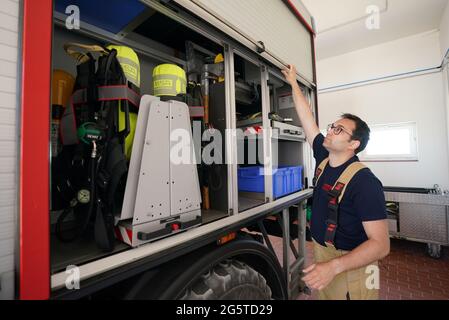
[[348, 268]]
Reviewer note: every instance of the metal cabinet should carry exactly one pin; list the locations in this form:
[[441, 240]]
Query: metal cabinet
[[424, 221], [422, 218]]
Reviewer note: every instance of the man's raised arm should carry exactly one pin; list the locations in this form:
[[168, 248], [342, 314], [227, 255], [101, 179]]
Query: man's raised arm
[[302, 106]]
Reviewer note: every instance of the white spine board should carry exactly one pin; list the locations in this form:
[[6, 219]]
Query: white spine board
[[132, 181], [153, 190], [157, 187], [184, 184]]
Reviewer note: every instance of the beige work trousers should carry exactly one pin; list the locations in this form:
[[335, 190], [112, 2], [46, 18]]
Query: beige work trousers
[[349, 285]]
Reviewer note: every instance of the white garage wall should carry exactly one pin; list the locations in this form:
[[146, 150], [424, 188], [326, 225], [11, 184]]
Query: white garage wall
[[444, 45], [444, 31], [9, 52], [419, 99]]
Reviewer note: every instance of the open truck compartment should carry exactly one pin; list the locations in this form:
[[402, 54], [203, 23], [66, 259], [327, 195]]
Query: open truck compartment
[[173, 43], [151, 149], [227, 88]]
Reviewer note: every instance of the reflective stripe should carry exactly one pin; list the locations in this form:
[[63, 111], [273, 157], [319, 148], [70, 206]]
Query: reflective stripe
[[131, 70], [109, 93], [169, 85], [129, 61]]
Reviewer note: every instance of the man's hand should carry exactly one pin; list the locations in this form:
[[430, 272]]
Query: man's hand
[[290, 74], [302, 106], [320, 275]]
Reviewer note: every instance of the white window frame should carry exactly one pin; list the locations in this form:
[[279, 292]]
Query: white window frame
[[413, 156]]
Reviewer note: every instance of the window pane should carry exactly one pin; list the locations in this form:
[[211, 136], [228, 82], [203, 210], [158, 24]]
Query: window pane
[[392, 142], [389, 142]]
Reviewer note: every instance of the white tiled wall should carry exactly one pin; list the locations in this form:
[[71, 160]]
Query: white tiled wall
[[9, 34]]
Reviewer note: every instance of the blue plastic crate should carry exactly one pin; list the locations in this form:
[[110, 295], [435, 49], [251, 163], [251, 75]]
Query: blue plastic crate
[[286, 180], [295, 179], [292, 180], [279, 182], [251, 179]]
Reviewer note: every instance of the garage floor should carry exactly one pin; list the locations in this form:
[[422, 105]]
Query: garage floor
[[407, 273]]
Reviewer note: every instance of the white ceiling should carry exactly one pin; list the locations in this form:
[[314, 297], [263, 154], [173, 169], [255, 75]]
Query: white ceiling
[[341, 24]]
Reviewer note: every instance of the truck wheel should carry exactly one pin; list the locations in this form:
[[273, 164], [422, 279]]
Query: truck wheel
[[434, 250], [229, 280]]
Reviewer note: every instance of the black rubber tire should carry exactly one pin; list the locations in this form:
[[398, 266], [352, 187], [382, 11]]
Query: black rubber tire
[[229, 280]]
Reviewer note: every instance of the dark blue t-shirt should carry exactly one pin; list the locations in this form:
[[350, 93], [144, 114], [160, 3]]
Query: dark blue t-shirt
[[363, 201]]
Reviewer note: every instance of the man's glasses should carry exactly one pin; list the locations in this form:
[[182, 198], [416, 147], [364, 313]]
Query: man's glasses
[[337, 129]]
